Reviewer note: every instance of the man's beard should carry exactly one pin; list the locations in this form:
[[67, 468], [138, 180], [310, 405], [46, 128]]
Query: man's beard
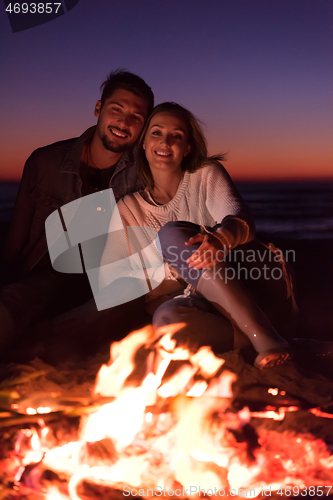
[[113, 146]]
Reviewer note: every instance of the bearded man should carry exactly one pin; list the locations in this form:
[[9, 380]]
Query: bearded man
[[102, 157]]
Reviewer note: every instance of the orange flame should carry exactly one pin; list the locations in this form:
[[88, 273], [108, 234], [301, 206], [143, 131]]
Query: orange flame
[[170, 424]]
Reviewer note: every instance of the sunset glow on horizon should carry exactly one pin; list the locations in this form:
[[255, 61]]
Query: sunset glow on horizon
[[241, 168]]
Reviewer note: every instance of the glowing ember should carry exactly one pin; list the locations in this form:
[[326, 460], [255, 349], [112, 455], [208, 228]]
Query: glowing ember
[[168, 424], [319, 413], [31, 411]]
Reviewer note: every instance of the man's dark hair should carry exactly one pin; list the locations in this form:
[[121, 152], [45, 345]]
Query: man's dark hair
[[120, 79]]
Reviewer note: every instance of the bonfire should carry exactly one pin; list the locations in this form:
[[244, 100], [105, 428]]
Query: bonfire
[[162, 421]]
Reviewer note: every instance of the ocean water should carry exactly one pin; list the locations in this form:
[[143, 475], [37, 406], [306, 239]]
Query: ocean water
[[297, 210], [8, 192]]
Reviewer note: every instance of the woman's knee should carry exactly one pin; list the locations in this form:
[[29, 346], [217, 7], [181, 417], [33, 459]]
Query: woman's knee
[[173, 238], [177, 232]]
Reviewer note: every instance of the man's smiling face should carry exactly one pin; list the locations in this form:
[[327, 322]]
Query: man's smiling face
[[120, 120]]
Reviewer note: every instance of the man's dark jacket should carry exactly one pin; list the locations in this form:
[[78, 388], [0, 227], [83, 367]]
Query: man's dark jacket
[[51, 179]]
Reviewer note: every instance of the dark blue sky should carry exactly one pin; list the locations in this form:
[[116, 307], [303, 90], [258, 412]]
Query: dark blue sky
[[257, 72]]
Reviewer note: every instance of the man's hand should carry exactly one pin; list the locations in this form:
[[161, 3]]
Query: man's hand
[[210, 252]]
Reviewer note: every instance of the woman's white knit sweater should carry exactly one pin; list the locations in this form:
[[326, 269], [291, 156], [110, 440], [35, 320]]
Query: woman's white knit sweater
[[206, 197]]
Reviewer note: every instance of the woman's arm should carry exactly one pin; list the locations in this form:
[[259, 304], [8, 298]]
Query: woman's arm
[[224, 204], [115, 251], [131, 264]]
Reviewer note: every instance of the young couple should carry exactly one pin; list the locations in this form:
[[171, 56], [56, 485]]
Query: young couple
[[181, 192], [190, 200]]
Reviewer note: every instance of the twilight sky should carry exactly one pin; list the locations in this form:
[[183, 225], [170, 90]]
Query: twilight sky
[[258, 73]]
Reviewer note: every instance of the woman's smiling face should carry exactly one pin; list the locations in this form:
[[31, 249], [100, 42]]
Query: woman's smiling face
[[166, 142]]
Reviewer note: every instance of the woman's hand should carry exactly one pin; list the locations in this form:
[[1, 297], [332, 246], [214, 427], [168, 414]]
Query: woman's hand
[[210, 252]]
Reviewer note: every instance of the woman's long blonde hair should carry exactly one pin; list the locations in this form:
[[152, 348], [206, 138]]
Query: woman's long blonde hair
[[198, 155]]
